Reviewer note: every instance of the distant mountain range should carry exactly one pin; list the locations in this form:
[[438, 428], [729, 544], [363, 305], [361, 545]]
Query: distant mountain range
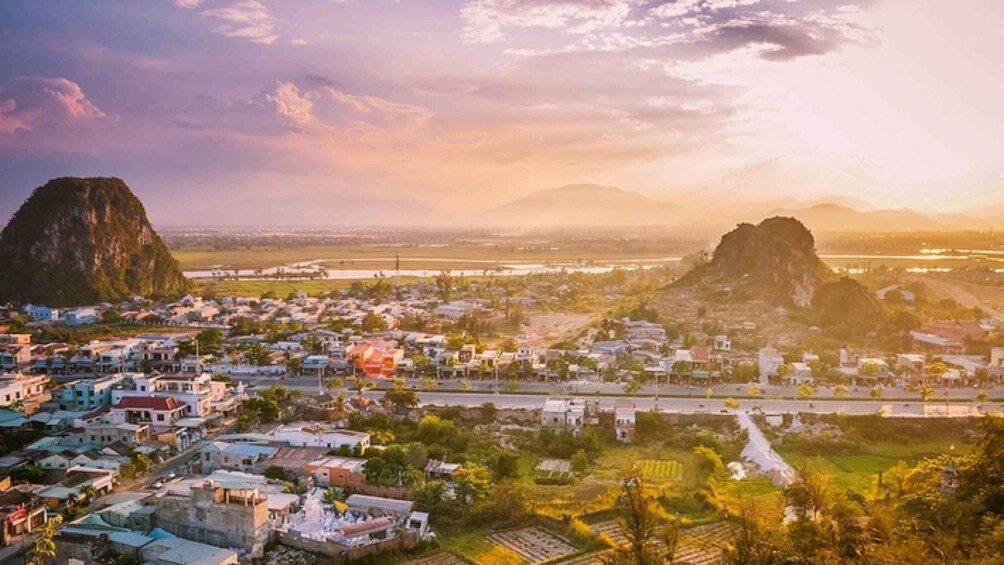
[[582, 205], [590, 205]]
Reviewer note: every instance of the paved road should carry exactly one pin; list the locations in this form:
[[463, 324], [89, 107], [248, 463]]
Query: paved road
[[9, 555], [712, 406], [759, 451], [309, 384]]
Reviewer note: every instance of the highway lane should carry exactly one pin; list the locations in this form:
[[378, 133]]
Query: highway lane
[[310, 383], [696, 405]]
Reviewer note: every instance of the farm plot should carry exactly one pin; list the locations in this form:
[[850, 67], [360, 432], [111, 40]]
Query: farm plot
[[703, 545], [533, 544], [553, 469], [442, 558], [700, 545], [660, 469]]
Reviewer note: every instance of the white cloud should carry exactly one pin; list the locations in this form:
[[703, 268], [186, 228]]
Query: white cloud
[[486, 21], [247, 19]]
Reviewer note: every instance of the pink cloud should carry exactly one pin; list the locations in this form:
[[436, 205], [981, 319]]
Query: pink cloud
[[32, 103]]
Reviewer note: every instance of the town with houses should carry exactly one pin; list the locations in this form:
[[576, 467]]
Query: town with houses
[[139, 446]]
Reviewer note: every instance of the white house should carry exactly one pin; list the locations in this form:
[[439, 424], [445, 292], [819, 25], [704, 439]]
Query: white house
[[316, 434], [769, 361]]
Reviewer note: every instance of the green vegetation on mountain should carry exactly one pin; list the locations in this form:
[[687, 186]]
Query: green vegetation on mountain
[[84, 240], [774, 260], [848, 304]]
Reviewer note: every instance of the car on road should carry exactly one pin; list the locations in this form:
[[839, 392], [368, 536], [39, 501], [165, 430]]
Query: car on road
[[156, 485]]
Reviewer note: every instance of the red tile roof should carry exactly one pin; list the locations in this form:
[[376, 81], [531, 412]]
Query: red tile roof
[[150, 403]]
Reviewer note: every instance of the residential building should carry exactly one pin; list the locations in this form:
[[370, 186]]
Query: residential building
[[233, 456], [128, 434], [157, 411], [723, 343], [89, 394], [570, 413], [21, 511], [231, 514], [27, 390], [15, 339], [801, 374], [316, 434], [337, 471], [624, 420], [81, 317], [769, 362]]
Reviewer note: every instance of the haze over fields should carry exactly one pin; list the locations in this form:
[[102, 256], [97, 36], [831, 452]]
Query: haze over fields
[[455, 113]]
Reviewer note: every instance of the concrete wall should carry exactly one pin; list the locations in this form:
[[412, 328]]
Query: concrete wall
[[233, 525], [343, 554]]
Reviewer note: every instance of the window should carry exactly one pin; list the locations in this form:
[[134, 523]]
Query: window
[[160, 417]]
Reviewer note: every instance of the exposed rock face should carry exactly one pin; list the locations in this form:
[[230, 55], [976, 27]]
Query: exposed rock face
[[81, 241], [774, 261]]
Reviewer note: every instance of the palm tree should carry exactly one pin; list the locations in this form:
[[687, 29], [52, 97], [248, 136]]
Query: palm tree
[[87, 493], [339, 410], [361, 385]]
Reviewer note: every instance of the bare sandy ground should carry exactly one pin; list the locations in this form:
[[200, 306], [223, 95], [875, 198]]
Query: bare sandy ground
[[545, 328]]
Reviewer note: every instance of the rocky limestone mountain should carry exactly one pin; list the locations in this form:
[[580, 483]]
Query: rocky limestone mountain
[[774, 260], [83, 241]]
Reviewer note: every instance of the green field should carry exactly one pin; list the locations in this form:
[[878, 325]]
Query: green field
[[280, 288], [859, 472], [451, 255], [660, 469]]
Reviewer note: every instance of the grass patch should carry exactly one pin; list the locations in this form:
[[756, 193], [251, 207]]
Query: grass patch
[[859, 471], [280, 288], [472, 543]]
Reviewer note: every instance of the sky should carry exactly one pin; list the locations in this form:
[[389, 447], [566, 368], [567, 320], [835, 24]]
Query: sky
[[335, 112]]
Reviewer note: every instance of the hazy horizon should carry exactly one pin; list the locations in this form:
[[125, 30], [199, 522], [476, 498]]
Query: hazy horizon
[[327, 112]]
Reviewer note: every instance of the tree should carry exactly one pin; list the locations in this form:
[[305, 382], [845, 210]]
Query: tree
[[512, 386], [473, 481], [429, 384], [632, 387], [372, 323], [580, 462], [651, 535], [937, 369], [805, 392], [465, 385], [141, 463], [361, 385], [340, 410], [870, 369], [875, 392], [927, 393], [754, 391], [45, 546], [840, 391], [981, 397], [401, 399], [708, 393], [294, 365], [444, 285], [731, 404]]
